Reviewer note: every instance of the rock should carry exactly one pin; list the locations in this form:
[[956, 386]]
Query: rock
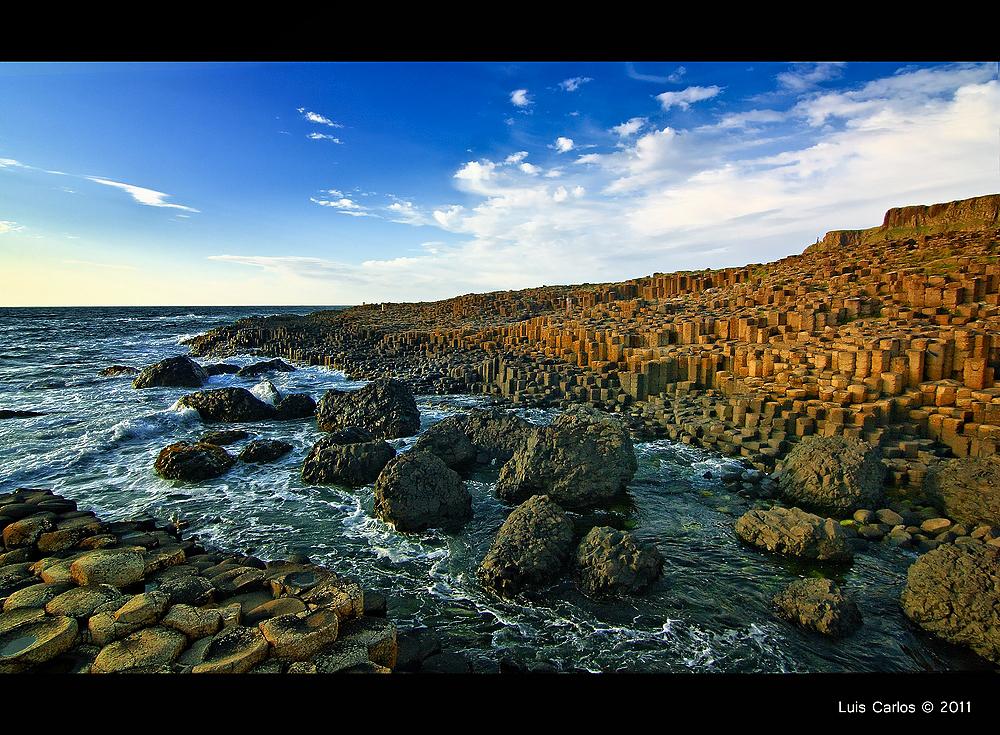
[[194, 622], [610, 562], [26, 531], [530, 549], [818, 604], [295, 406], [224, 437], [966, 489], [222, 368], [385, 408], [267, 392], [262, 451], [188, 590], [9, 414], [832, 474], [413, 647], [228, 404], [274, 608], [81, 602], [953, 592], [446, 663], [148, 648], [582, 459], [330, 462], [794, 532], [115, 371], [36, 595], [235, 650], [448, 440], [889, 517], [935, 525], [174, 372], [193, 462], [376, 636], [417, 491], [116, 567], [496, 434], [35, 641], [297, 638], [267, 366]]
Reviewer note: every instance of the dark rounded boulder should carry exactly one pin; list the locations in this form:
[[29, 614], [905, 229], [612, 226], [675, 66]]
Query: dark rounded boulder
[[531, 548], [261, 451], [115, 371], [582, 459], [481, 436], [267, 366], [222, 368], [193, 462], [448, 440], [833, 474], [610, 562], [417, 491], [384, 407], [224, 437], [174, 372], [332, 461], [228, 404], [819, 605], [295, 406], [953, 592], [966, 490]]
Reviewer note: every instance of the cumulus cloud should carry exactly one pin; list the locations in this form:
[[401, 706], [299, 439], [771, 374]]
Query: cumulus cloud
[[147, 197], [687, 97], [516, 157], [315, 117], [520, 98], [629, 127], [563, 145], [573, 84]]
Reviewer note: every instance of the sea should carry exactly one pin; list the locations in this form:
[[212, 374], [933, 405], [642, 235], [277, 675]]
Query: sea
[[709, 612]]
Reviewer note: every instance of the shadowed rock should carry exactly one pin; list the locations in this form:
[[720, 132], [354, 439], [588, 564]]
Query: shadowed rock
[[610, 562], [967, 489], [174, 372], [794, 532], [385, 408], [417, 491], [818, 604], [268, 366], [228, 404], [331, 462], [261, 451], [193, 462]]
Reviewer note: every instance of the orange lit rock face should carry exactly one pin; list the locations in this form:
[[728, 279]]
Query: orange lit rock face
[[890, 335]]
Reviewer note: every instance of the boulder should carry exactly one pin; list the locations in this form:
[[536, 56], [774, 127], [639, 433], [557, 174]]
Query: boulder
[[610, 562], [228, 404], [833, 474], [261, 451], [448, 440], [582, 459], [194, 622], [496, 433], [9, 414], [115, 567], [267, 366], [35, 641], [967, 489], [530, 549], [36, 595], [267, 392], [81, 602], [295, 406], [331, 462], [295, 638], [385, 408], [193, 462], [26, 531], [953, 592], [225, 437], [819, 605], [235, 650], [174, 372], [794, 532], [115, 371], [146, 649], [417, 491], [222, 368]]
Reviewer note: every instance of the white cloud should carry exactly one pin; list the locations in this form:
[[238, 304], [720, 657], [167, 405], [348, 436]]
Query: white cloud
[[802, 77], [687, 97], [563, 145], [147, 197], [629, 127], [520, 98], [407, 213], [749, 117], [315, 117], [530, 169], [11, 163], [571, 85], [7, 226], [516, 157], [324, 136]]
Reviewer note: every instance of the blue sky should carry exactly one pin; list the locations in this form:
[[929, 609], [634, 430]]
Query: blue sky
[[328, 183]]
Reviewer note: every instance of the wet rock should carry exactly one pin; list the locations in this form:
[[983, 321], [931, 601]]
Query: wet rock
[[448, 440], [35, 641], [413, 647], [417, 491], [116, 567], [235, 650], [267, 392], [174, 372], [446, 663], [330, 462], [794, 532], [819, 605], [193, 462], [267, 366], [228, 405], [224, 438], [295, 406], [376, 636], [262, 451], [295, 638], [11, 414], [189, 590], [115, 371], [222, 368], [610, 562], [953, 592], [149, 648], [530, 549], [832, 474], [385, 408], [582, 459], [966, 489]]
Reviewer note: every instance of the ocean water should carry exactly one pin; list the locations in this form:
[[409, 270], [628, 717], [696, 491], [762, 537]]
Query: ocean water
[[710, 611]]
